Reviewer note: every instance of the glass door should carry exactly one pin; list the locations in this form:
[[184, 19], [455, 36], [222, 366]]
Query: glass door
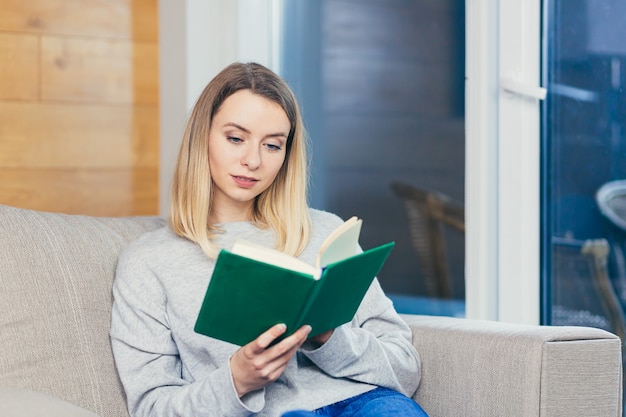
[[381, 84], [584, 164]]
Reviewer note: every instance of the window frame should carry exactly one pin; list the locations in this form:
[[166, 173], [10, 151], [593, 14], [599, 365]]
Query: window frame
[[503, 41]]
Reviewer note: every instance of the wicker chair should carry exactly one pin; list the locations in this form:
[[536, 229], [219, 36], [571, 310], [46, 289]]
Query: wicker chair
[[611, 200], [428, 214], [584, 295]]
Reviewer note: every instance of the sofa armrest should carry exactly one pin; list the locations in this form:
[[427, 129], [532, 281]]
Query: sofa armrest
[[16, 402], [494, 369]]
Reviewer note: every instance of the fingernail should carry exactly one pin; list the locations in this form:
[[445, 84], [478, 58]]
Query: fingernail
[[282, 327]]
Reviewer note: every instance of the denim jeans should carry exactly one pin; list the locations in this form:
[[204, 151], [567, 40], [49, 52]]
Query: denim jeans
[[380, 402]]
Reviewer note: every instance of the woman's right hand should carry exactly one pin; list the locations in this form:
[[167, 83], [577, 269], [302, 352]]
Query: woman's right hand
[[255, 365]]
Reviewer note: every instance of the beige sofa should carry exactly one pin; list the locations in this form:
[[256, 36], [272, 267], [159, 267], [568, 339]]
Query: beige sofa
[[55, 358]]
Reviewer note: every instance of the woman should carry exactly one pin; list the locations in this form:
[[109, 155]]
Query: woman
[[241, 173]]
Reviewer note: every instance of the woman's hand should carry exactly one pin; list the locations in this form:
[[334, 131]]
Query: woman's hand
[[255, 365]]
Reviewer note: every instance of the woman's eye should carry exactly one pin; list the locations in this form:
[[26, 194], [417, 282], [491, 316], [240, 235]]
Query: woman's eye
[[234, 139], [273, 147]]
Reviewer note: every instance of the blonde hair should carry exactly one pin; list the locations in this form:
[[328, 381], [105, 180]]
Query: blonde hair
[[282, 207]]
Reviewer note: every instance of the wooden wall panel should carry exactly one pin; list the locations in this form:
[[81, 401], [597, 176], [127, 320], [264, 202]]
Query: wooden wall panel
[[19, 73], [119, 19], [77, 136], [97, 192], [96, 70], [79, 106]]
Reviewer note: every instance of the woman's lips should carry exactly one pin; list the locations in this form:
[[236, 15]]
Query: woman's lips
[[245, 182]]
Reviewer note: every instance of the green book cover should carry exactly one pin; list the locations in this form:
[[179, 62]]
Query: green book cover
[[246, 297]]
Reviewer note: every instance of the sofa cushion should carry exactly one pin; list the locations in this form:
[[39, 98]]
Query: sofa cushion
[[56, 273], [25, 403]]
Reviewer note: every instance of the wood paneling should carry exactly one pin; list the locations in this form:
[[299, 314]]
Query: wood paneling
[[19, 72], [56, 135], [79, 106], [96, 70], [97, 192], [416, 30], [395, 143], [119, 19], [397, 57], [386, 87]]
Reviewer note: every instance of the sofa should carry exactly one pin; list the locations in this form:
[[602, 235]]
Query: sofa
[[56, 272]]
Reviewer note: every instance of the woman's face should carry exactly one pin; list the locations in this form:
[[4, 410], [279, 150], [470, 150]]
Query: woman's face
[[247, 148]]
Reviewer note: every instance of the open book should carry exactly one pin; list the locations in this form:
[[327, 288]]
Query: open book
[[253, 287]]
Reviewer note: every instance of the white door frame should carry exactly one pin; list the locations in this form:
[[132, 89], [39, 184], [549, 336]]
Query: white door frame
[[503, 160]]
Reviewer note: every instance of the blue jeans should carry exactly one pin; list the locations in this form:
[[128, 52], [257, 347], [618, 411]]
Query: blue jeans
[[380, 402]]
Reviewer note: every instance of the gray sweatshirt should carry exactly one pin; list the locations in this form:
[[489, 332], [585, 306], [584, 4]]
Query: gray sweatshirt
[[169, 370]]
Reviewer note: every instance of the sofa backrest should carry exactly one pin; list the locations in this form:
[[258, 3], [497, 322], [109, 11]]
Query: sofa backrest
[[56, 272]]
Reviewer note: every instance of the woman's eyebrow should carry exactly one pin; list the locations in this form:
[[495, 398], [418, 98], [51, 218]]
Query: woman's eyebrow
[[271, 135], [235, 125], [276, 135]]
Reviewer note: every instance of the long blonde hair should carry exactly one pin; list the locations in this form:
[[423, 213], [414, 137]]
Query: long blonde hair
[[283, 206]]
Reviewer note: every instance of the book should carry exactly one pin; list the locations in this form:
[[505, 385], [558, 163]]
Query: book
[[253, 287]]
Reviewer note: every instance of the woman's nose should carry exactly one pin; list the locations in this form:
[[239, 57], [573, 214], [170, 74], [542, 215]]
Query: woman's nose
[[252, 158]]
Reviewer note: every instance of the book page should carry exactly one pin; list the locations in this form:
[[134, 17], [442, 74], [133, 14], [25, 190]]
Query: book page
[[342, 243], [272, 256]]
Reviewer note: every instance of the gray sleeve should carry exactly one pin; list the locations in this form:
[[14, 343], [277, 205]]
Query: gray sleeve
[[148, 360], [375, 348]]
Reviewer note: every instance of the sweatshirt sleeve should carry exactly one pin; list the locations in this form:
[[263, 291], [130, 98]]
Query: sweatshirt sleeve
[[375, 348], [148, 361]]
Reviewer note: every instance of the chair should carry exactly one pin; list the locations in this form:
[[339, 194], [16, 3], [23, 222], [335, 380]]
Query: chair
[[429, 213], [611, 199], [583, 294]]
